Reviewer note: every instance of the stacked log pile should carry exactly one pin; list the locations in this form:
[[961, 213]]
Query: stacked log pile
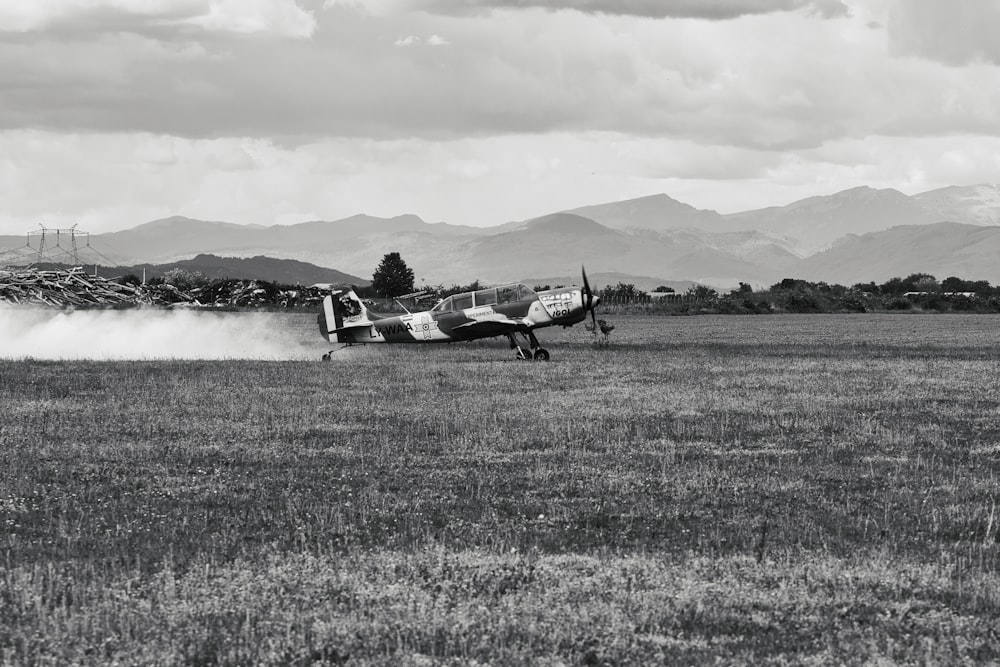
[[75, 288], [257, 294]]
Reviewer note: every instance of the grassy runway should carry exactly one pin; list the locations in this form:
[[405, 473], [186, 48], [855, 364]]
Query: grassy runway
[[788, 489]]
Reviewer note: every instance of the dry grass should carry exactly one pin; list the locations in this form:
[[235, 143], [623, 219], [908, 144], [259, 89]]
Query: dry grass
[[795, 489]]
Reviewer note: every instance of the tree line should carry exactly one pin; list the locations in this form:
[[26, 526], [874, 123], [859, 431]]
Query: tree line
[[393, 278], [918, 291]]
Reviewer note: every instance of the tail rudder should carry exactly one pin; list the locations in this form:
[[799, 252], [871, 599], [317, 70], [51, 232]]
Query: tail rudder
[[342, 309]]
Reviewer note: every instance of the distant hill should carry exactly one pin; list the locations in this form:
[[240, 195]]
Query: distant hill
[[973, 204], [817, 222], [601, 280], [282, 271], [655, 212], [654, 236], [942, 249], [175, 238], [179, 237], [558, 244]]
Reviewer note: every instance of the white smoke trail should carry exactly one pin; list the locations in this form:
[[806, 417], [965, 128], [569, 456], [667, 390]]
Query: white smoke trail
[[155, 334]]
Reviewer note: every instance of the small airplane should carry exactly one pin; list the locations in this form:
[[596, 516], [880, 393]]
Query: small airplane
[[508, 310]]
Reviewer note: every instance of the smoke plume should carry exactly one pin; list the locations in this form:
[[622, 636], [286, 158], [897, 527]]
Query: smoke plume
[[156, 334]]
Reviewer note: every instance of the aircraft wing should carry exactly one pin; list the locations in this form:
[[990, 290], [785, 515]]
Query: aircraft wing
[[489, 328]]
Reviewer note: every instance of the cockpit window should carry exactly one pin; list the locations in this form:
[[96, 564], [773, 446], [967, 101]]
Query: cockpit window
[[443, 306], [486, 297], [507, 294]]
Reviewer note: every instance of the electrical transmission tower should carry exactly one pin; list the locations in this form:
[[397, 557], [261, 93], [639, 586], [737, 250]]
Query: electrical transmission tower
[[47, 251], [47, 245]]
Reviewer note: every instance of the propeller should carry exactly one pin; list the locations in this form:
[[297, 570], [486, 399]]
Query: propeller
[[589, 300]]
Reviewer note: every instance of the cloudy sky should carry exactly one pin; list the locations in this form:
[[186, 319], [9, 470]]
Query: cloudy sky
[[117, 112]]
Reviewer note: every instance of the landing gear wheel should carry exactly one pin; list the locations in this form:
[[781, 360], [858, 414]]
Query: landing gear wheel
[[541, 354], [326, 357], [521, 355]]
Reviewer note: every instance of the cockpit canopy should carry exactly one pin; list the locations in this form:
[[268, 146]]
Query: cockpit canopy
[[490, 296]]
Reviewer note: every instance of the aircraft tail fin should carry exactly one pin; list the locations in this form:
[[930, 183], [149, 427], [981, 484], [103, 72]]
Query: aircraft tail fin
[[342, 310]]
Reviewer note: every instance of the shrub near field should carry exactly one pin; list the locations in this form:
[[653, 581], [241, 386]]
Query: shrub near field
[[775, 489]]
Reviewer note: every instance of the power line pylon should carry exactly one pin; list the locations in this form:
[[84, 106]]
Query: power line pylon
[[45, 235]]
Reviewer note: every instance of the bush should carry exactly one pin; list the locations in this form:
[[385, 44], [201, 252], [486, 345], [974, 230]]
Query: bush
[[854, 304], [802, 303], [964, 304], [899, 303]]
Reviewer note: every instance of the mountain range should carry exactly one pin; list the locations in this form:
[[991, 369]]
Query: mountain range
[[857, 235], [282, 271]]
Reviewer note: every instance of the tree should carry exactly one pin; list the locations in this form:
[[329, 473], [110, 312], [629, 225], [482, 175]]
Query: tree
[[702, 293], [130, 279], [893, 287], [791, 284], [622, 292], [920, 282], [392, 277], [474, 286], [185, 280], [869, 287], [955, 284]]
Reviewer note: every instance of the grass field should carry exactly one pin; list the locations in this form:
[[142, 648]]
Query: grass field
[[793, 489]]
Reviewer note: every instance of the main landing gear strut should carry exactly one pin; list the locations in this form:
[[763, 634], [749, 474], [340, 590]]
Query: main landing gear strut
[[535, 351]]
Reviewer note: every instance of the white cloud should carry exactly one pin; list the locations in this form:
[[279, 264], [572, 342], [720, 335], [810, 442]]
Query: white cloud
[[114, 112], [413, 40], [114, 181], [280, 17], [954, 32], [277, 17], [468, 170], [779, 80], [703, 9]]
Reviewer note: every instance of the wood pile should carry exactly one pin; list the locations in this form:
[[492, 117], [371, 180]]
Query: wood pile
[[256, 294], [75, 288]]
